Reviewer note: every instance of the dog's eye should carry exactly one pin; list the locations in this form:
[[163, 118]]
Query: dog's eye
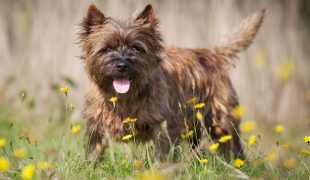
[[138, 49], [106, 49]]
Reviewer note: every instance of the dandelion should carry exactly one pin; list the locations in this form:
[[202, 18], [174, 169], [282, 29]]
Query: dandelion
[[307, 139], [214, 147], [2, 142], [260, 58], [129, 136], [247, 126], [113, 99], [28, 172], [290, 163], [129, 120], [285, 71], [224, 139], [192, 100], [188, 134], [199, 105], [304, 152], [239, 111], [4, 164], [238, 163], [45, 165], [199, 116], [20, 153], [203, 161], [64, 90], [272, 156], [252, 140], [279, 128], [75, 129]]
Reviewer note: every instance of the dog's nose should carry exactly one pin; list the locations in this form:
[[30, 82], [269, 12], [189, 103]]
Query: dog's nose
[[122, 66]]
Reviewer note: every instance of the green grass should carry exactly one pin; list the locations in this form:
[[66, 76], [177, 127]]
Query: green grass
[[131, 160]]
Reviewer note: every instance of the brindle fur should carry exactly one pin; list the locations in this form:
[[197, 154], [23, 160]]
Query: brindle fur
[[162, 80]]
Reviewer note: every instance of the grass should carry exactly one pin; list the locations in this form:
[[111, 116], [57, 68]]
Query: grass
[[63, 152]]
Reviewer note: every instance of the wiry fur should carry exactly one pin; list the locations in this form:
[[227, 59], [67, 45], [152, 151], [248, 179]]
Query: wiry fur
[[163, 79]]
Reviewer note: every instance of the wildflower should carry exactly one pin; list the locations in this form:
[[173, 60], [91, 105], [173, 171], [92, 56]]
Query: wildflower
[[4, 164], [224, 139], [64, 90], [239, 111], [247, 126], [138, 164], [238, 162], [285, 71], [45, 165], [304, 152], [199, 116], [188, 134], [2, 142], [279, 128], [129, 136], [75, 129], [252, 140], [20, 153], [307, 139], [192, 100], [203, 161], [260, 58], [113, 99], [150, 175], [214, 147], [290, 163], [28, 171], [129, 120], [272, 156], [199, 105]]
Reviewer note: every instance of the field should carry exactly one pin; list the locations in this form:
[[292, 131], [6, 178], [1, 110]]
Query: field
[[42, 130]]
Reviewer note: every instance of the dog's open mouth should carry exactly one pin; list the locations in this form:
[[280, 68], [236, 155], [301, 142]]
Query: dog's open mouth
[[121, 85]]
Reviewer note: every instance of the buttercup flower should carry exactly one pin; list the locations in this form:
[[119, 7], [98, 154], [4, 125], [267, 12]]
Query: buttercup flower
[[279, 128], [238, 163], [64, 90], [129, 120], [188, 134], [199, 116], [28, 172], [252, 140], [75, 129], [223, 139], [214, 147], [199, 105], [4, 164], [203, 161], [129, 136], [20, 153], [239, 111], [307, 139], [247, 126], [113, 99], [272, 156], [2, 142]]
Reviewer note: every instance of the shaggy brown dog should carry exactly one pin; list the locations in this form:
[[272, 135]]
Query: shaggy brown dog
[[153, 83]]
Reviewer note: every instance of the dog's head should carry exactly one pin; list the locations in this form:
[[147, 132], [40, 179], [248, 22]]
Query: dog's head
[[120, 54]]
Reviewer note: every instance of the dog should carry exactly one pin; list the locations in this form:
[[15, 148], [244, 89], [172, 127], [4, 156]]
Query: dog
[[156, 88]]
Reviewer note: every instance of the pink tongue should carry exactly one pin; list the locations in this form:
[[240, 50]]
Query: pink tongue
[[121, 85]]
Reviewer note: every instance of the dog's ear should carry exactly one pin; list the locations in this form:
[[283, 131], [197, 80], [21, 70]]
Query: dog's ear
[[94, 17], [147, 16]]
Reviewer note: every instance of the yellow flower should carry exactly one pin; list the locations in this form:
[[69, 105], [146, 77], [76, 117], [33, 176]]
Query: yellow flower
[[290, 163], [192, 100], [279, 128], [199, 116], [75, 129], [129, 136], [214, 147], [188, 134], [64, 90], [272, 156], [286, 146], [238, 163], [285, 71], [45, 165], [20, 153], [28, 171], [223, 139], [150, 175], [199, 105], [2, 142], [239, 111], [304, 152], [252, 140], [260, 59], [307, 139], [129, 120], [113, 99], [247, 126], [98, 146], [4, 164], [203, 161]]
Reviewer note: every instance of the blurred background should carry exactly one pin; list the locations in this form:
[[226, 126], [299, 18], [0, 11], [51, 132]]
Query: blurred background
[[39, 54]]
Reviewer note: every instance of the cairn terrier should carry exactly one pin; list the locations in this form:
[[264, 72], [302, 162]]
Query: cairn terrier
[[157, 89]]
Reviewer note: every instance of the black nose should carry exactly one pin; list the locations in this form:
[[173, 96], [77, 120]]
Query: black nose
[[122, 66]]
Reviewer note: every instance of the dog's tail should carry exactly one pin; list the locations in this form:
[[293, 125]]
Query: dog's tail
[[242, 37]]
